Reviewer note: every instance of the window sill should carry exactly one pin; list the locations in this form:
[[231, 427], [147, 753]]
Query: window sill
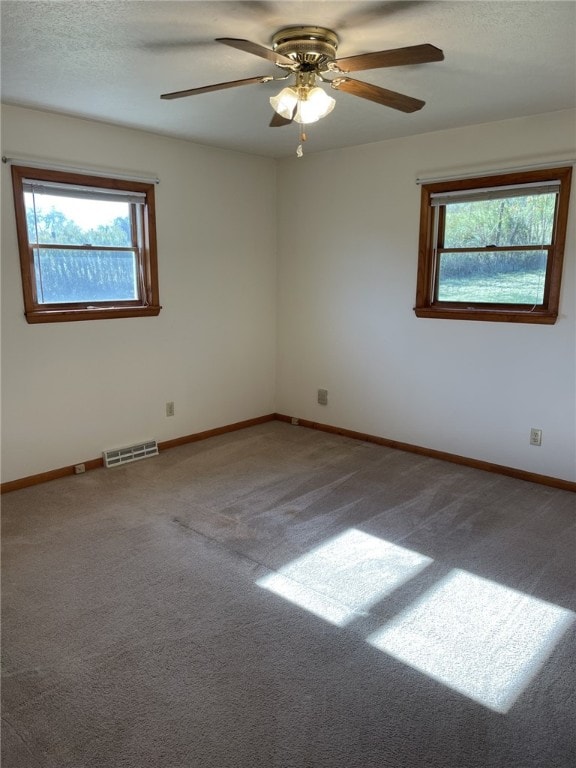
[[106, 313], [542, 317]]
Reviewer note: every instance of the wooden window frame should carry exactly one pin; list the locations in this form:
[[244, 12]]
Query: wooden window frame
[[143, 245], [431, 237]]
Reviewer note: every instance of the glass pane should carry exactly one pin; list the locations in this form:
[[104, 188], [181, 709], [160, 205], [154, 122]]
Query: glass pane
[[524, 220], [85, 276], [71, 221], [505, 277]]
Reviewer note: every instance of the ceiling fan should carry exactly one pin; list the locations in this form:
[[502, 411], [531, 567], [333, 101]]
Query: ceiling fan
[[309, 55]]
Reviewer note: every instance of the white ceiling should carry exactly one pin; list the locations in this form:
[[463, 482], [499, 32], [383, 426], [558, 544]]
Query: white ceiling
[[110, 60]]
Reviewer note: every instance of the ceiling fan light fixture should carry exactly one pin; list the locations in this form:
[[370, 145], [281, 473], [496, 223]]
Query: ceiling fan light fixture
[[302, 104]]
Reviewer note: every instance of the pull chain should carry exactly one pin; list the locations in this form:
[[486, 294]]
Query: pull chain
[[303, 137]]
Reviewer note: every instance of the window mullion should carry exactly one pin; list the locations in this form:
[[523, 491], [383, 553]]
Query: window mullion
[[498, 248], [87, 247]]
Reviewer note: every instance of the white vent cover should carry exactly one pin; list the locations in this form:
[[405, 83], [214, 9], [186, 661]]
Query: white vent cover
[[130, 453]]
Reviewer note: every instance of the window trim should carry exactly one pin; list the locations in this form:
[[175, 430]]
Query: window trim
[[147, 305], [547, 312]]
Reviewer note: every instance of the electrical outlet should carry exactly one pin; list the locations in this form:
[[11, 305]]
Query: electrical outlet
[[323, 397], [294, 421], [535, 436], [79, 469], [170, 409]]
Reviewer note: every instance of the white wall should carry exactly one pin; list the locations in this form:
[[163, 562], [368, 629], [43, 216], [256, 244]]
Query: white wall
[[347, 236], [71, 390], [348, 239]]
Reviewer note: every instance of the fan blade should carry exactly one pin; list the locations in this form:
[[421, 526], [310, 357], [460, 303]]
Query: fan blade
[[377, 94], [217, 87], [257, 50], [397, 57], [278, 121]]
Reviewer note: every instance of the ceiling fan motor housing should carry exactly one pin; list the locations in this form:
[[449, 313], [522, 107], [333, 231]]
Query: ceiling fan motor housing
[[310, 47]]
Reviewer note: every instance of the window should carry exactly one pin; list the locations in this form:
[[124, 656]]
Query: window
[[491, 248], [87, 246]]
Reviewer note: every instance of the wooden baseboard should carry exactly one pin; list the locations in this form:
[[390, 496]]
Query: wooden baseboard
[[54, 474], [519, 474], [45, 477], [214, 432]]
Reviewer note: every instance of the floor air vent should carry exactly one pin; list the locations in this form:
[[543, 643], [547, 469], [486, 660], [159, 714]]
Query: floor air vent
[[130, 453]]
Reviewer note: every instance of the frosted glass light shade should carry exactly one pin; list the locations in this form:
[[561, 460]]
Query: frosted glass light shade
[[311, 104], [285, 102], [317, 105]]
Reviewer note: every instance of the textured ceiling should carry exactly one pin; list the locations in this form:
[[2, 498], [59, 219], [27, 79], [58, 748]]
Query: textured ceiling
[[110, 60]]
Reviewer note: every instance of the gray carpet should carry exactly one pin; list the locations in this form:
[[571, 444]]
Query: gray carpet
[[284, 598]]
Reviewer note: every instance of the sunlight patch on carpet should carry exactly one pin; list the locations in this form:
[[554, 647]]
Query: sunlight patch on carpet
[[346, 575], [479, 638]]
